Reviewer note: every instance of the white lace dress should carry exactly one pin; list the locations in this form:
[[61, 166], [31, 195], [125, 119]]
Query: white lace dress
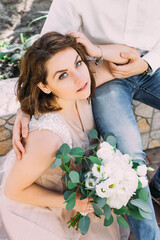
[[27, 222]]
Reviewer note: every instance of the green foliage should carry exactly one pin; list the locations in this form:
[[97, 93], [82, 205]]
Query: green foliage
[[108, 222], [93, 134], [107, 211], [84, 224], [121, 221], [95, 160], [74, 176]]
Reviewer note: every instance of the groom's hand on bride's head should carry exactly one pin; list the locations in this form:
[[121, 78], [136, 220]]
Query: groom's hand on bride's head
[[20, 131]]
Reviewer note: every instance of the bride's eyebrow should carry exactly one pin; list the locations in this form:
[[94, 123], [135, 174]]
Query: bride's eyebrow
[[64, 70]]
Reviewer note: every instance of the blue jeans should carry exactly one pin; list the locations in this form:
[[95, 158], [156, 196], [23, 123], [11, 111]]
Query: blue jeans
[[112, 109]]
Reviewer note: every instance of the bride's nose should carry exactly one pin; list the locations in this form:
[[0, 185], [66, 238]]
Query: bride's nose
[[78, 78]]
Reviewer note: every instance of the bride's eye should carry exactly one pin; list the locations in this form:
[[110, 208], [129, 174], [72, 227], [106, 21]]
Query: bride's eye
[[78, 63], [63, 75]]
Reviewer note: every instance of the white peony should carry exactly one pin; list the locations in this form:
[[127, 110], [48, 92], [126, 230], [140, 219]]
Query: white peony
[[142, 170], [144, 181]]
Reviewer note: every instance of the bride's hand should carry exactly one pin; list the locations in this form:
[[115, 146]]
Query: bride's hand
[[91, 49], [84, 205]]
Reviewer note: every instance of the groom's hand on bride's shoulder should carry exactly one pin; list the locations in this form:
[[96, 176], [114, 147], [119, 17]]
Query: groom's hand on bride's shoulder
[[20, 131]]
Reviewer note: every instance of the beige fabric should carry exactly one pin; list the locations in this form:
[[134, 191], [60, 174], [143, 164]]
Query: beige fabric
[[26, 222]]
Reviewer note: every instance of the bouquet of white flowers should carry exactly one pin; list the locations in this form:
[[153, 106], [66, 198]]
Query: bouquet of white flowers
[[110, 177]]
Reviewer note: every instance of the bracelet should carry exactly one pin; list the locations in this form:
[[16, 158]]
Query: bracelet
[[100, 59]]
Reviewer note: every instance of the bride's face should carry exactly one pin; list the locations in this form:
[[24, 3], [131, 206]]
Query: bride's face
[[68, 76]]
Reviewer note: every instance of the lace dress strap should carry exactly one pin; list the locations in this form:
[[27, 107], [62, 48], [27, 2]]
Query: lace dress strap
[[54, 123]]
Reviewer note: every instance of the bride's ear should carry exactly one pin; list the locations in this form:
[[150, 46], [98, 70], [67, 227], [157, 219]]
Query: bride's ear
[[44, 88]]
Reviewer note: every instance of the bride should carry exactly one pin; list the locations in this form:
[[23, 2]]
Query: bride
[[54, 88]]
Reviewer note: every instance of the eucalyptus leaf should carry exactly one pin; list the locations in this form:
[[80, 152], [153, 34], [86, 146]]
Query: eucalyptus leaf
[[135, 214], [141, 204], [71, 185], [77, 152], [107, 135], [93, 146], [122, 222], [70, 205], [120, 211], [101, 202], [107, 211], [93, 134], [84, 224], [57, 163], [95, 160], [143, 194], [97, 210], [83, 191], [71, 196], [112, 140], [67, 194], [90, 194], [65, 158], [145, 214], [74, 176], [108, 222], [66, 168], [65, 149]]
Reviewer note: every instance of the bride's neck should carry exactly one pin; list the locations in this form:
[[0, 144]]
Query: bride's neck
[[68, 107]]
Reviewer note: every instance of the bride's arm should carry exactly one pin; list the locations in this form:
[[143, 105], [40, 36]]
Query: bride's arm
[[20, 186]]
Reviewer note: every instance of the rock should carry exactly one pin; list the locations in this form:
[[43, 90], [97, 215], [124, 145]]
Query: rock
[[4, 134], [143, 126], [2, 121], [5, 147], [144, 110], [156, 121]]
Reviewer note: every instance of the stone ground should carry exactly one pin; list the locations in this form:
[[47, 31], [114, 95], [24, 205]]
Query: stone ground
[[153, 160]]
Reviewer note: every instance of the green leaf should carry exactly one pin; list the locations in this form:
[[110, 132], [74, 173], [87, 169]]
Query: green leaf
[[66, 168], [71, 185], [141, 204], [15, 57], [77, 152], [101, 202], [78, 160], [135, 214], [72, 195], [70, 205], [145, 214], [66, 178], [122, 222], [74, 176], [107, 135], [95, 160], [143, 194], [83, 197], [37, 19], [31, 40], [112, 140], [93, 134], [93, 146], [97, 210], [57, 163], [65, 149], [120, 211], [139, 185], [108, 222], [66, 158], [84, 224], [67, 194], [91, 193], [107, 211], [83, 191]]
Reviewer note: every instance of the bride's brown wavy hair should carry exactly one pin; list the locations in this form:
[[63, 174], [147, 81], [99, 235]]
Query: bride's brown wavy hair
[[33, 70]]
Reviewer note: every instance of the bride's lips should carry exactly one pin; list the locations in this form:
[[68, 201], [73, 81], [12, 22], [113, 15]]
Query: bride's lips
[[83, 87]]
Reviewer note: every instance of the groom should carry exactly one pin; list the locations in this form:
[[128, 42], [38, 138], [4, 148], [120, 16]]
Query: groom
[[133, 23]]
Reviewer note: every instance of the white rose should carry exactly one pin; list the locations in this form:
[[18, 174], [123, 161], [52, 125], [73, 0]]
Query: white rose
[[144, 181], [142, 170]]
